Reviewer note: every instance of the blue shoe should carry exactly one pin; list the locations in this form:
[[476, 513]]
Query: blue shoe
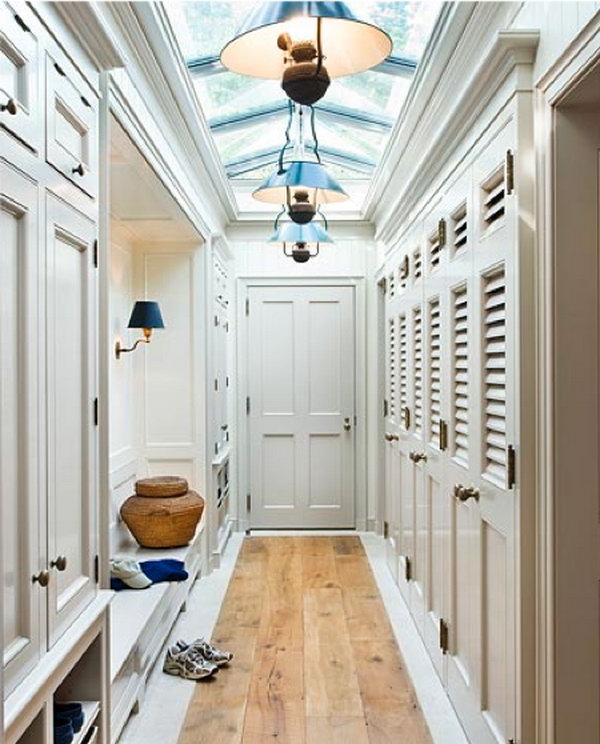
[[63, 733], [69, 713]]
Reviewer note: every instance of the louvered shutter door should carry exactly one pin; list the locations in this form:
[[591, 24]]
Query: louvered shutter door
[[417, 264], [403, 361], [392, 372], [494, 384], [435, 249], [434, 370], [494, 199], [460, 375], [460, 229], [418, 369]]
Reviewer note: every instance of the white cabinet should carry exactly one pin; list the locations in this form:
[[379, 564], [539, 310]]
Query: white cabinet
[[22, 550], [457, 289], [220, 342], [21, 110], [71, 384]]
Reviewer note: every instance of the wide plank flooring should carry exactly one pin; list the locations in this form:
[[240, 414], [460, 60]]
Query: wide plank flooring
[[315, 657]]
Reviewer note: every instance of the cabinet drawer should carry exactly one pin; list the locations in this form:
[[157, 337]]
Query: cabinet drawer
[[20, 105], [71, 128]]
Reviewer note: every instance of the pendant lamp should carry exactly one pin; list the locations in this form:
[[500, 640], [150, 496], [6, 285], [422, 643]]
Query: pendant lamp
[[304, 240], [305, 44]]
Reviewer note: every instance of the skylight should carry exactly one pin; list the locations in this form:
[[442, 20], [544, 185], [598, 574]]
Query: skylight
[[248, 115]]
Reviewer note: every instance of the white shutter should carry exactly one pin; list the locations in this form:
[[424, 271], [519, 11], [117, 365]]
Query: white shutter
[[494, 387], [403, 365], [417, 264], [460, 236], [435, 249], [391, 285], [392, 380], [460, 375], [434, 370], [418, 368], [494, 195]]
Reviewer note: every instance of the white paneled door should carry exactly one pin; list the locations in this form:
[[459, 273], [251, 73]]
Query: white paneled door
[[301, 406]]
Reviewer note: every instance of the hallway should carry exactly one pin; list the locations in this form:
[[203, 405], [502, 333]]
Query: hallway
[[315, 656]]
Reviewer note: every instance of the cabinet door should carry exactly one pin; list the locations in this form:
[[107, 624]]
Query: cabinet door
[[71, 385], [19, 487], [19, 75], [71, 127]]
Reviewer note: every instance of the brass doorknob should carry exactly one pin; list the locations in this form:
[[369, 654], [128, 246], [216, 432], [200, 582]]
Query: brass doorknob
[[43, 578], [392, 437], [462, 493], [10, 106], [418, 457], [347, 424], [79, 169], [60, 564]]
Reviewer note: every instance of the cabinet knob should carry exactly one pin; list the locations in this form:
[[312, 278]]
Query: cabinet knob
[[10, 106], [347, 424], [391, 437], [418, 457], [43, 578], [79, 169], [462, 493], [60, 564]]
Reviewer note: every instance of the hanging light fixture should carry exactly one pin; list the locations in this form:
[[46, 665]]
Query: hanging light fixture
[[292, 41], [300, 242], [300, 185]]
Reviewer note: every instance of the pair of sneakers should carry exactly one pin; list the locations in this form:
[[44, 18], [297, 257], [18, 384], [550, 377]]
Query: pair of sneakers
[[196, 660]]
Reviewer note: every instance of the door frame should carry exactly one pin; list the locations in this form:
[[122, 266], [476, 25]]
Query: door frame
[[243, 285], [551, 89]]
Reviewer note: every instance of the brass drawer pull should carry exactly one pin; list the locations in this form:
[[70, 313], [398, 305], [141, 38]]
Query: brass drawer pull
[[463, 493], [79, 170], [418, 457], [60, 564], [10, 106], [43, 578]]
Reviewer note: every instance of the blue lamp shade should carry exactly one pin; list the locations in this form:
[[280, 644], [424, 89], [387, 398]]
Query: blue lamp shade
[[301, 174], [349, 44], [309, 234], [146, 314]]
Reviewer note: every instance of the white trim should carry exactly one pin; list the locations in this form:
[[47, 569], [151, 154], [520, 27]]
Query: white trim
[[243, 284]]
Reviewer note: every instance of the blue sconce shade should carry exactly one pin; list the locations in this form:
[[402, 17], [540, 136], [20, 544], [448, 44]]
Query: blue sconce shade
[[146, 314], [349, 44], [301, 174], [310, 234]]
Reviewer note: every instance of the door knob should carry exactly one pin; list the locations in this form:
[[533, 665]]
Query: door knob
[[10, 106], [79, 169], [43, 578], [418, 457], [463, 493], [347, 424], [392, 437], [60, 564]]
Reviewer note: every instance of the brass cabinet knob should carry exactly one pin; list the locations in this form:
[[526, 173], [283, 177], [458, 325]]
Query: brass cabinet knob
[[10, 106], [60, 564], [418, 457], [347, 424], [462, 493], [392, 437], [43, 578], [79, 169]]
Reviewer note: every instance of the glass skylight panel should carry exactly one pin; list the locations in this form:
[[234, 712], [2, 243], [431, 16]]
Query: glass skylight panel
[[249, 115]]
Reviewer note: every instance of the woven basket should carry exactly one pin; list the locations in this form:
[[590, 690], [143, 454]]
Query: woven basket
[[161, 486], [163, 521]]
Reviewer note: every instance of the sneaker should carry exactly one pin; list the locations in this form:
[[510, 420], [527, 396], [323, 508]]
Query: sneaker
[[208, 652], [187, 663]]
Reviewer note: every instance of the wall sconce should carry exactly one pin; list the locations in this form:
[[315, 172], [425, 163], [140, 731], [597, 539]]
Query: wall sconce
[[144, 315]]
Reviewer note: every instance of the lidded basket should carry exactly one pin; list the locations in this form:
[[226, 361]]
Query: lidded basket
[[163, 513]]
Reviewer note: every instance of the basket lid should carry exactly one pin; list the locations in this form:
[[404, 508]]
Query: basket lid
[[161, 486]]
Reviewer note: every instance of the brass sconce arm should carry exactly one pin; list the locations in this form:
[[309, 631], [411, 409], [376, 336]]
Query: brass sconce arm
[[146, 340]]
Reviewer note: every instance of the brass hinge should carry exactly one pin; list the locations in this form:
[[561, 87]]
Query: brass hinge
[[406, 417], [386, 530], [96, 415], [248, 502], [95, 253], [442, 232], [444, 636], [97, 569], [247, 306], [510, 172], [383, 284], [443, 435], [407, 568], [216, 384], [247, 405], [227, 381], [216, 449], [511, 467], [385, 408], [404, 268]]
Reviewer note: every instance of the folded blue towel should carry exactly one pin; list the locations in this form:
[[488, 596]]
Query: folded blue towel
[[164, 569]]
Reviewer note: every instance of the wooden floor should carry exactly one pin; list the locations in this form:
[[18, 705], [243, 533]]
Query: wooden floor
[[315, 657]]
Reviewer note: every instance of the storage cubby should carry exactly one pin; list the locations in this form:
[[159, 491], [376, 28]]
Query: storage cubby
[[36, 731]]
